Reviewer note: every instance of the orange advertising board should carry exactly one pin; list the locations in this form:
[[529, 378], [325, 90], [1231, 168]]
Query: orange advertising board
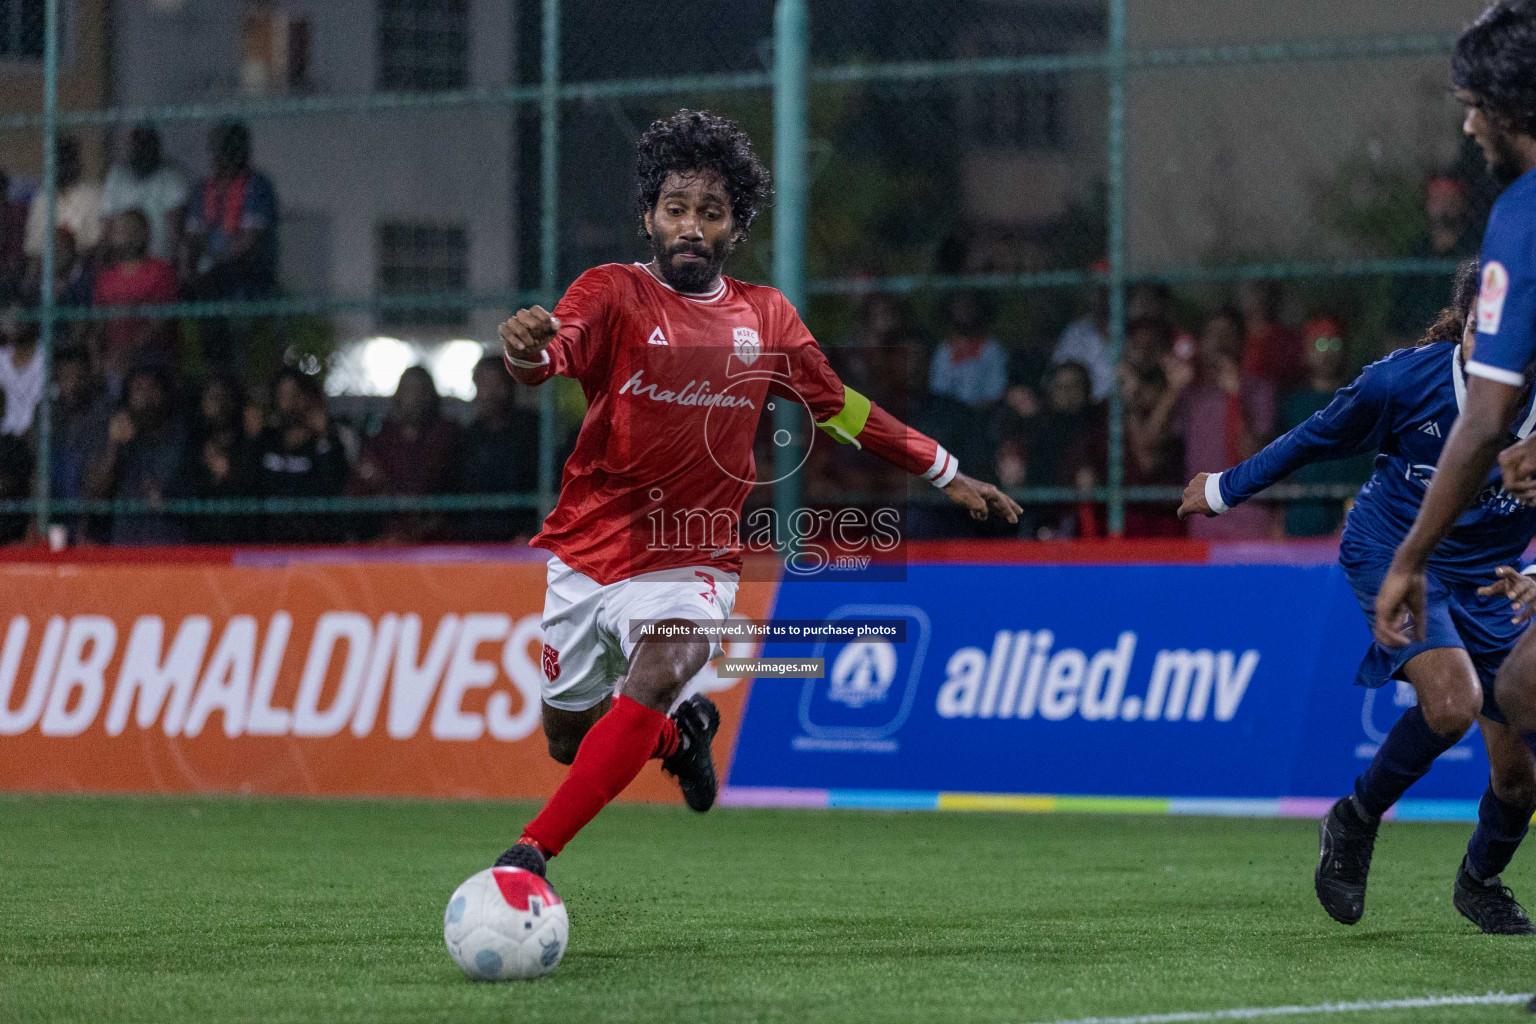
[[406, 678]]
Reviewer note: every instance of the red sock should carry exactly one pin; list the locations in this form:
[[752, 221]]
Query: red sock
[[666, 743], [610, 756]]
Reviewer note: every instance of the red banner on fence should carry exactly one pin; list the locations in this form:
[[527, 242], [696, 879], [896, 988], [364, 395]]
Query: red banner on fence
[[408, 679]]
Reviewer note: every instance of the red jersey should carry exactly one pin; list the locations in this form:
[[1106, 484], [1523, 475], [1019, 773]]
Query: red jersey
[[675, 385], [138, 283]]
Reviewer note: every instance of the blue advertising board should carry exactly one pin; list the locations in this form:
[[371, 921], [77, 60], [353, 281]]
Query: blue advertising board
[[1196, 682]]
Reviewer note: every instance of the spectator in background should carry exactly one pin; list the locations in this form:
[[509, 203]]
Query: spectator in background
[[132, 278], [1152, 375], [501, 455], [1325, 351], [1452, 232], [220, 462], [21, 372], [1065, 446], [145, 182], [230, 253], [301, 456], [79, 208], [969, 366], [1224, 416], [1274, 350], [1086, 340], [13, 223], [146, 443], [82, 413], [72, 279], [415, 452]]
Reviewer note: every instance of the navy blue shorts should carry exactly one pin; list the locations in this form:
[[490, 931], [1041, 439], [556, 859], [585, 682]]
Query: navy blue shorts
[[1457, 616]]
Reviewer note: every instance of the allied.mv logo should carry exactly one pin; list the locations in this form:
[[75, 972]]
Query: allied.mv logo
[[862, 673], [748, 348]]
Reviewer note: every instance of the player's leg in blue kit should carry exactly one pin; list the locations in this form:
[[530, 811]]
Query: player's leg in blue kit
[[1449, 698], [1503, 816]]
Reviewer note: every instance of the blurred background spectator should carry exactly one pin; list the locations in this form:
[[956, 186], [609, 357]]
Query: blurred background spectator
[[1064, 445], [143, 180], [1274, 349], [21, 371], [79, 208], [220, 462], [13, 223], [82, 413], [301, 456], [1152, 377], [969, 366], [230, 253], [415, 452], [1326, 373], [146, 442], [131, 277], [1086, 340], [1224, 415], [500, 455]]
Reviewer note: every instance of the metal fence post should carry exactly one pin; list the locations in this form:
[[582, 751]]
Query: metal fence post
[[549, 251], [1115, 145], [43, 474], [789, 172]]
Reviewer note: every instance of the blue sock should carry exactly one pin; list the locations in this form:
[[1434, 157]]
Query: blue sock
[[1408, 753], [1500, 827]]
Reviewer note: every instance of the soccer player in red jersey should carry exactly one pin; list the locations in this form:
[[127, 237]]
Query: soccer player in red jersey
[[677, 363]]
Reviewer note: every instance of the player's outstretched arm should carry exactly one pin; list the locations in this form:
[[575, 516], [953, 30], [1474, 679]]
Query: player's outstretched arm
[[524, 338], [1469, 454], [1354, 422]]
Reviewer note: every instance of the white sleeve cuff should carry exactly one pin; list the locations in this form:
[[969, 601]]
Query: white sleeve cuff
[[1213, 493], [525, 364], [1529, 570], [944, 468], [1496, 373]]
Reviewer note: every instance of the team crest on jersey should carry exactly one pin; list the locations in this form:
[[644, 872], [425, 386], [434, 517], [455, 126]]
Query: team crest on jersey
[[1490, 298], [549, 658], [748, 348], [1431, 428]]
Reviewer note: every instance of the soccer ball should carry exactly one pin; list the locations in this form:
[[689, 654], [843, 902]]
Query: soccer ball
[[506, 923]]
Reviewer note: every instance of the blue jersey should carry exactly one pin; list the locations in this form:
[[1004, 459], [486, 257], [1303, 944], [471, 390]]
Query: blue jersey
[[1506, 301], [1402, 407]]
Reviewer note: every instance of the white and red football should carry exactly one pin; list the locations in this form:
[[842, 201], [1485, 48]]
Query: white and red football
[[506, 923]]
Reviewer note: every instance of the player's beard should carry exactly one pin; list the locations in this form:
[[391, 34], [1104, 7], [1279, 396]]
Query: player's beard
[[691, 276], [1503, 159]]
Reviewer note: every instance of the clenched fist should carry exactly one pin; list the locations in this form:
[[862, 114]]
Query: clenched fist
[[528, 333]]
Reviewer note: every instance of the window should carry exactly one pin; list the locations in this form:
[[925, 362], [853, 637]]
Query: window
[[423, 45], [423, 259], [1024, 113], [21, 29]]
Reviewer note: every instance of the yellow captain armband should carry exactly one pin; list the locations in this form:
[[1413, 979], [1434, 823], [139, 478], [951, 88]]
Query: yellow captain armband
[[850, 420]]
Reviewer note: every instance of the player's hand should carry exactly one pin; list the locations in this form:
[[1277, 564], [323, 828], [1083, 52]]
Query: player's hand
[[1518, 587], [1518, 464], [528, 333], [981, 498], [1399, 605], [1194, 503]]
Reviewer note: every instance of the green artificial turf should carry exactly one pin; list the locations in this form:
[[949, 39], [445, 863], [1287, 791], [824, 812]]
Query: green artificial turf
[[173, 910]]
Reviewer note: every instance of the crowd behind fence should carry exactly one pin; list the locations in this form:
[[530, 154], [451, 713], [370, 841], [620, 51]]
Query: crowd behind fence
[[969, 213]]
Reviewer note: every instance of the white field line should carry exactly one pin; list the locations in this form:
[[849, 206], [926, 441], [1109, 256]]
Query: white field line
[[1258, 1012]]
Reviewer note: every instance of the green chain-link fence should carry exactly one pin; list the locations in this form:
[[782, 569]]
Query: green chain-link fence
[[1038, 164]]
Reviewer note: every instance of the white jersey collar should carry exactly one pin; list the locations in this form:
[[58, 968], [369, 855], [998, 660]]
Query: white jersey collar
[[1459, 380], [713, 295]]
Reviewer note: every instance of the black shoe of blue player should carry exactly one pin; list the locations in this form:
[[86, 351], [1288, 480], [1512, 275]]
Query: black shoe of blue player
[[1346, 839]]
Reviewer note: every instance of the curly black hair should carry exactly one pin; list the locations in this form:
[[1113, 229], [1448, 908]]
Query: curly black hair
[[1496, 59], [696, 140], [1452, 321]]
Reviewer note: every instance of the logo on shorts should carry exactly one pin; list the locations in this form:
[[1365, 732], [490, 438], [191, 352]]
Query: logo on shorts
[[1490, 298], [550, 659], [748, 348], [709, 581]]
